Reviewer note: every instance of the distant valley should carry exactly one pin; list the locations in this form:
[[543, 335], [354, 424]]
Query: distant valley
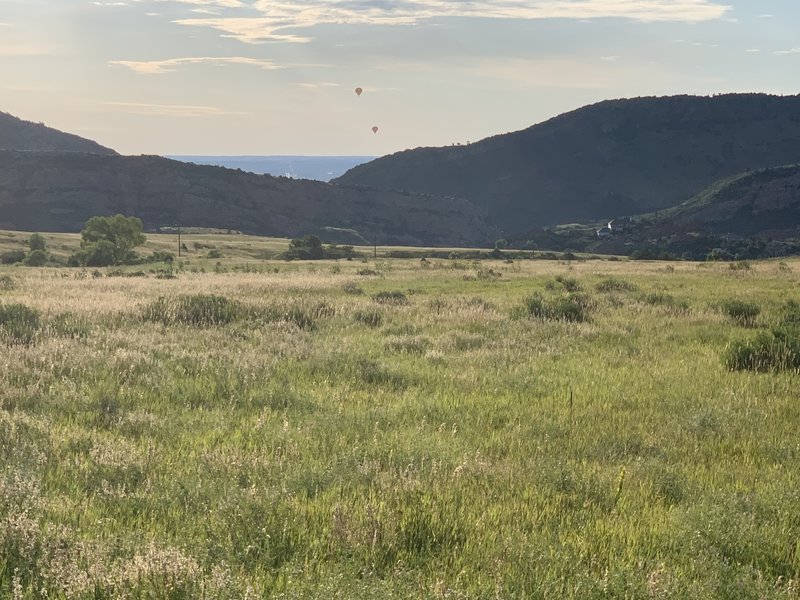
[[319, 168]]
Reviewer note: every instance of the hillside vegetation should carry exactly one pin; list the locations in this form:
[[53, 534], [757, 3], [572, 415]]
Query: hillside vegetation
[[16, 134], [60, 191], [764, 202], [400, 429], [615, 158], [750, 215]]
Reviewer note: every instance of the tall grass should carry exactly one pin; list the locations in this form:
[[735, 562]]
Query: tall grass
[[277, 436]]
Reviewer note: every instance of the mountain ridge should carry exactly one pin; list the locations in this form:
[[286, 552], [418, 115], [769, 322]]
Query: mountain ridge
[[613, 158], [26, 136], [60, 191]]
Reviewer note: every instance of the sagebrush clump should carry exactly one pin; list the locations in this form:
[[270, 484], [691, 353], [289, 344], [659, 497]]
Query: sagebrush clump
[[199, 310], [613, 284], [740, 312], [7, 283], [370, 318], [572, 308], [390, 297], [775, 350]]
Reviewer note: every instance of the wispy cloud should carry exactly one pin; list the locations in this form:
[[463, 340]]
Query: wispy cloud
[[174, 110], [275, 16], [251, 30], [159, 67], [216, 3], [789, 51], [314, 86]]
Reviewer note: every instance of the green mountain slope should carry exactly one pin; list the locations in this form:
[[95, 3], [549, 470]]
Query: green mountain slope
[[749, 215], [764, 203], [619, 157], [60, 191], [16, 134]]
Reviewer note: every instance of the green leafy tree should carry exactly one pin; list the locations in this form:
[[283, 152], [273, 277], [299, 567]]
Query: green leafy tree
[[110, 240], [100, 254], [37, 242], [36, 258], [308, 247]]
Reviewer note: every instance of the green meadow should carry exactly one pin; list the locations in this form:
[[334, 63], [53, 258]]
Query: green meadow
[[244, 427]]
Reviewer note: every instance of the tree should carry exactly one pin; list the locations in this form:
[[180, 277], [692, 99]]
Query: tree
[[100, 254], [37, 242], [36, 258], [111, 240], [308, 247]]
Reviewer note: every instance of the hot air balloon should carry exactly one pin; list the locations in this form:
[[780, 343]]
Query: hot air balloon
[[375, 129], [359, 91]]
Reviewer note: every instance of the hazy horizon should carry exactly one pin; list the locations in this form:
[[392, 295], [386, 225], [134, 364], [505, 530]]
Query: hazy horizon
[[317, 167]]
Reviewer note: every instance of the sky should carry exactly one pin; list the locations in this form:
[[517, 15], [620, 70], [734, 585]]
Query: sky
[[258, 77]]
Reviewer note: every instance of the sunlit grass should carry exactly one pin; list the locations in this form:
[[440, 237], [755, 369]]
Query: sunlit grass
[[446, 445]]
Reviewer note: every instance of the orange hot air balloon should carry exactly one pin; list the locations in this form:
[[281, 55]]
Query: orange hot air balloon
[[359, 91], [375, 129]]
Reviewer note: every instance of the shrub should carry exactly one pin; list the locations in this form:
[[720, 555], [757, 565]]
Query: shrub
[[488, 274], [370, 318], [12, 257], [776, 350], [414, 344], [7, 284], [390, 297], [302, 315], [352, 288], [742, 313], [665, 300], [18, 324], [612, 284], [304, 319], [121, 273], [69, 325], [214, 253], [741, 265], [567, 283], [573, 308], [161, 256], [790, 314], [37, 258], [200, 310]]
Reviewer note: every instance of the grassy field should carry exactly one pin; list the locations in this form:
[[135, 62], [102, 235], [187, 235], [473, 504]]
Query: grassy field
[[394, 429]]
